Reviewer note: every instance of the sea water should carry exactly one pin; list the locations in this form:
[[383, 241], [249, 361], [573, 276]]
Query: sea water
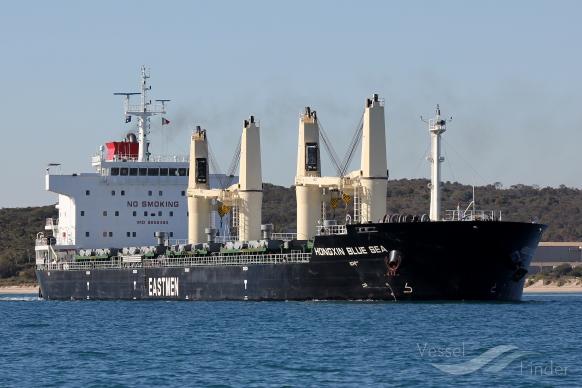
[[537, 342]]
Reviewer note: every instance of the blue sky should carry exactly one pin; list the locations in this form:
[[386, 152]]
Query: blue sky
[[508, 72]]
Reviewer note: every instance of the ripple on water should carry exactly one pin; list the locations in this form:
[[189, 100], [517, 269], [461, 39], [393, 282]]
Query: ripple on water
[[276, 344]]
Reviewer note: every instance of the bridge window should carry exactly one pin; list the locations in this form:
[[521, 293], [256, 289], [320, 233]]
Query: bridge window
[[183, 193], [124, 171], [143, 171], [116, 213], [105, 213], [160, 213], [122, 192], [171, 234], [160, 193], [145, 214], [128, 234], [87, 192], [112, 192], [182, 172], [133, 172], [171, 214], [173, 172], [114, 171], [82, 213], [150, 193], [134, 213], [163, 171], [86, 234], [104, 234], [110, 234], [133, 234], [153, 171]]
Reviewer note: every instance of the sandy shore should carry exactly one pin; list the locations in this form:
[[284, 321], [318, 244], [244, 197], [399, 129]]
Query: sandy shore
[[569, 286], [11, 290]]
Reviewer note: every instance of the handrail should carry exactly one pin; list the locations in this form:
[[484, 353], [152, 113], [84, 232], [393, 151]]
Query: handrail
[[191, 261], [472, 215]]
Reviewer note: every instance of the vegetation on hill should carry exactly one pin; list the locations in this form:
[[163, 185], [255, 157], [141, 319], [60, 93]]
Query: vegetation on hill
[[18, 229], [560, 208]]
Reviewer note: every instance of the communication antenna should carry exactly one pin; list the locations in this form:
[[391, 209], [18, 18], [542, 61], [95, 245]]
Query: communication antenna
[[143, 112]]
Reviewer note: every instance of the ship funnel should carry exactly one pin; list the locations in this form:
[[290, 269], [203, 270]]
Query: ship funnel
[[250, 182], [374, 173], [308, 165], [198, 208]]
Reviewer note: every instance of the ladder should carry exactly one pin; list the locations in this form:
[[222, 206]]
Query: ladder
[[357, 204]]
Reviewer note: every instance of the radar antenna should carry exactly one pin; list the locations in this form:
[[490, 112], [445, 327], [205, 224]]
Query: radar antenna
[[143, 112]]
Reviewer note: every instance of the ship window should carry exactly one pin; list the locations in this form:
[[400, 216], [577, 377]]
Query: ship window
[[112, 192], [133, 171], [160, 213], [182, 172], [150, 193], [171, 234], [183, 193], [201, 170], [114, 171], [105, 213], [122, 192], [153, 214], [160, 193], [128, 234], [143, 171], [153, 171], [110, 234], [145, 214], [86, 234], [163, 171], [87, 192], [124, 171], [171, 214], [104, 234], [82, 213], [134, 213], [311, 157], [173, 172], [133, 234], [116, 213]]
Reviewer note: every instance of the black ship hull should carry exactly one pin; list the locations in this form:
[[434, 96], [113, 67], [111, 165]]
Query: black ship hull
[[480, 260]]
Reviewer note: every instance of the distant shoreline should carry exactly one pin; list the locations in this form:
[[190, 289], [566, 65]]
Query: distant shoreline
[[568, 287], [25, 289], [538, 287]]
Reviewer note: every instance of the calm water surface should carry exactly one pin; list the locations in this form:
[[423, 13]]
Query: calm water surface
[[291, 343]]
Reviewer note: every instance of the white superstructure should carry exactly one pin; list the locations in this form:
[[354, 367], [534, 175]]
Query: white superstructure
[[131, 195]]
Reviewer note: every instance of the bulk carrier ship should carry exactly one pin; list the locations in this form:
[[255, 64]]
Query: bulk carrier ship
[[452, 255]]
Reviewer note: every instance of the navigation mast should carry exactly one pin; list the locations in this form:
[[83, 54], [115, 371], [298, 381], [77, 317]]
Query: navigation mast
[[143, 112], [436, 127]]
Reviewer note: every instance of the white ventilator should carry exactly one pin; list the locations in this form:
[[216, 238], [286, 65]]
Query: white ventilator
[[250, 188], [436, 127], [374, 173], [308, 165], [198, 207]]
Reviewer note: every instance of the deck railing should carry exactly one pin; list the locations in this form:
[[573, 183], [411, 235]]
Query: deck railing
[[184, 262]]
